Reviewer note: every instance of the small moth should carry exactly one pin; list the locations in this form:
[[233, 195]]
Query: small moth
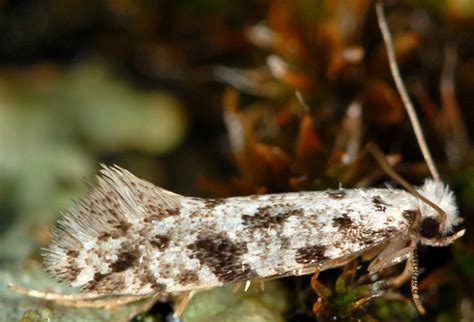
[[130, 237]]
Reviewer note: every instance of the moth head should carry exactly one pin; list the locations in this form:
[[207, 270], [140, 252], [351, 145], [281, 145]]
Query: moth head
[[436, 221]]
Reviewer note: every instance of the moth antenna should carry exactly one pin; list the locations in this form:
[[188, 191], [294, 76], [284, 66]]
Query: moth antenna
[[387, 37], [382, 161]]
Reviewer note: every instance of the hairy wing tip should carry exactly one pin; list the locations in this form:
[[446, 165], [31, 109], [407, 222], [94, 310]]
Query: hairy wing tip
[[115, 208]]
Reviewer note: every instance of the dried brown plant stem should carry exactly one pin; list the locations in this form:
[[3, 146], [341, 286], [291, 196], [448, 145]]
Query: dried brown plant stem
[[387, 37]]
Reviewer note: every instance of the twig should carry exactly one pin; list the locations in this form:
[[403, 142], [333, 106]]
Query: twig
[[387, 37]]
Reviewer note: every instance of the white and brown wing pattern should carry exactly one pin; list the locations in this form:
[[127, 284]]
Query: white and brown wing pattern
[[103, 243], [128, 236], [259, 237]]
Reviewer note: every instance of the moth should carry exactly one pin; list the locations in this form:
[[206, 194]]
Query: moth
[[130, 237]]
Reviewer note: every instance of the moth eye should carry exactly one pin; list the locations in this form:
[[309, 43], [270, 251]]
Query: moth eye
[[429, 227]]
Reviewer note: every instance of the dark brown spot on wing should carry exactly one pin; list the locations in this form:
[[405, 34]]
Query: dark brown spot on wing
[[104, 236], [222, 256], [98, 277], [72, 253], [158, 288], [369, 237], [212, 203], [269, 217], [343, 222], [104, 283], [187, 277], [160, 241], [310, 254], [151, 218], [125, 260], [169, 212], [123, 227], [142, 277], [158, 212], [119, 229], [379, 204], [71, 267]]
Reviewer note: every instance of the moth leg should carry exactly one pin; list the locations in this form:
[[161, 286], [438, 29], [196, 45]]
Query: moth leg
[[183, 303], [108, 303], [142, 308], [410, 271], [79, 299], [394, 253], [51, 296], [322, 291], [399, 280], [314, 280], [383, 262]]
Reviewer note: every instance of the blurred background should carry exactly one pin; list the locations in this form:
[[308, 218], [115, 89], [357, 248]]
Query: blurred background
[[222, 98]]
